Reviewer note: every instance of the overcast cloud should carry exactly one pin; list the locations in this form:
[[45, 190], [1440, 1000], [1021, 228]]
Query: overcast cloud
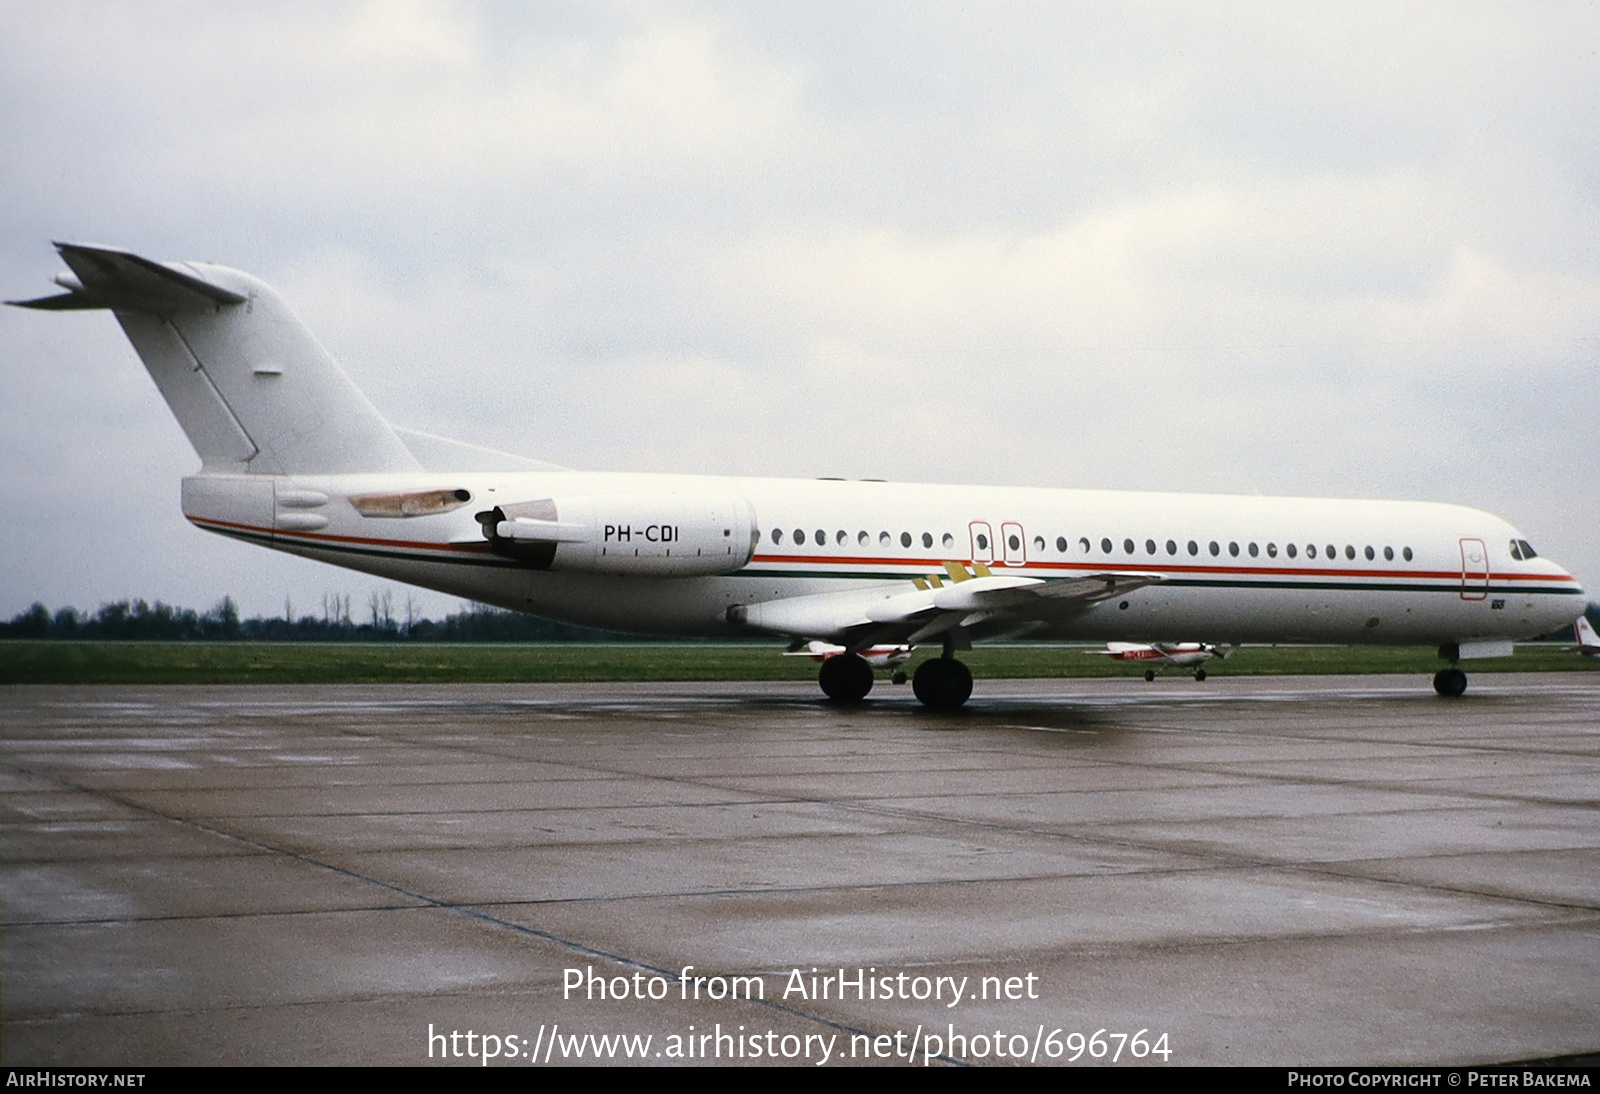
[[1280, 248]]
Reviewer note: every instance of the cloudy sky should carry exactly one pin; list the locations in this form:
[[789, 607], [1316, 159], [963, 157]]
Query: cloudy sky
[[1342, 250]]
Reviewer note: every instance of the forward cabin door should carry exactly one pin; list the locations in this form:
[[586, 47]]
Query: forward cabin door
[[1474, 570]]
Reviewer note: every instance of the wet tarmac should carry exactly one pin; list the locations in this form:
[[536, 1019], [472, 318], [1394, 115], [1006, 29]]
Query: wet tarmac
[[1329, 870]]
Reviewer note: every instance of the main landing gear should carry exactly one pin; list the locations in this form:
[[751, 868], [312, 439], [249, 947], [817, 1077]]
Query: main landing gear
[[942, 683], [1199, 674], [846, 678]]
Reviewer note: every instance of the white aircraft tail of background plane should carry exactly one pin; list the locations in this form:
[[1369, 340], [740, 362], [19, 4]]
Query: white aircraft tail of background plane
[[295, 458], [1588, 641]]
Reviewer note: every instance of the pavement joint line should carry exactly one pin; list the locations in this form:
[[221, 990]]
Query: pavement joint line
[[466, 910], [1219, 860], [848, 805]]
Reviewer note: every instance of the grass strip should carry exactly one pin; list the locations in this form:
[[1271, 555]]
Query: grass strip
[[69, 662]]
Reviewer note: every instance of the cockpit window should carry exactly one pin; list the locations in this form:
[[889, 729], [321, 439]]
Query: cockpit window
[[1527, 551]]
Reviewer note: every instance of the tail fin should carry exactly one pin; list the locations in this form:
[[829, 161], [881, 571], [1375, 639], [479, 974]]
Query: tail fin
[[251, 387], [1588, 642]]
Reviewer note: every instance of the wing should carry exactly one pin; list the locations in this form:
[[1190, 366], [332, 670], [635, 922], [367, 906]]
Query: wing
[[970, 606]]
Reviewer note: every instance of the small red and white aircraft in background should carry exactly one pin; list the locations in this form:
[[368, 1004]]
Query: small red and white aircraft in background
[[878, 657], [1183, 655], [1588, 641]]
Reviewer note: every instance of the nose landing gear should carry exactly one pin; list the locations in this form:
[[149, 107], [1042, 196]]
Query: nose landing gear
[[1450, 682]]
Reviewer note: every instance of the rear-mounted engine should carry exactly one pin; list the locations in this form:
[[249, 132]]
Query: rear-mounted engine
[[661, 535]]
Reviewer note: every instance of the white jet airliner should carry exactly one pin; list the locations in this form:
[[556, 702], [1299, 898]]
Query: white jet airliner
[[295, 458]]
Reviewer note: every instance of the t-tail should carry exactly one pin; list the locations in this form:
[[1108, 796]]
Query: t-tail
[[252, 388]]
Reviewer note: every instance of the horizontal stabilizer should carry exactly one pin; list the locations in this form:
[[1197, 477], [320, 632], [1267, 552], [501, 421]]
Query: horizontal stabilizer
[[107, 277]]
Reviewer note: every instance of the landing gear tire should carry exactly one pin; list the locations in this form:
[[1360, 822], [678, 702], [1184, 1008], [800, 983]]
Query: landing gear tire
[[942, 683], [1199, 674], [846, 678], [897, 677], [1149, 674], [1451, 683]]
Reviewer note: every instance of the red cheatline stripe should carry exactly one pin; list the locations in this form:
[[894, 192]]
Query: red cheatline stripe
[[471, 548], [936, 566]]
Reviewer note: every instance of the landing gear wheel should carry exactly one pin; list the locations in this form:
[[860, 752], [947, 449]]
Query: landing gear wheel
[[1450, 682], [897, 677], [1149, 674], [846, 678], [1199, 674], [942, 683]]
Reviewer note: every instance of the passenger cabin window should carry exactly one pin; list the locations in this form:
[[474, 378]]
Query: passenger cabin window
[[927, 539], [1233, 549], [1255, 551], [1084, 544], [947, 540], [1349, 551], [885, 540], [983, 542], [822, 538], [1333, 552], [905, 539], [1127, 546], [1388, 554], [1149, 546], [1061, 544], [1038, 543], [1272, 550], [1214, 549], [1105, 545], [1406, 554], [1370, 553], [777, 535], [1290, 549], [1172, 548], [862, 538], [1194, 548]]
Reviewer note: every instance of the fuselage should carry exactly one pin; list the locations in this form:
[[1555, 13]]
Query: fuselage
[[1223, 568]]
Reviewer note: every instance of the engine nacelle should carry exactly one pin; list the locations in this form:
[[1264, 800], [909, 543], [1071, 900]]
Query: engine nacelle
[[659, 535]]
